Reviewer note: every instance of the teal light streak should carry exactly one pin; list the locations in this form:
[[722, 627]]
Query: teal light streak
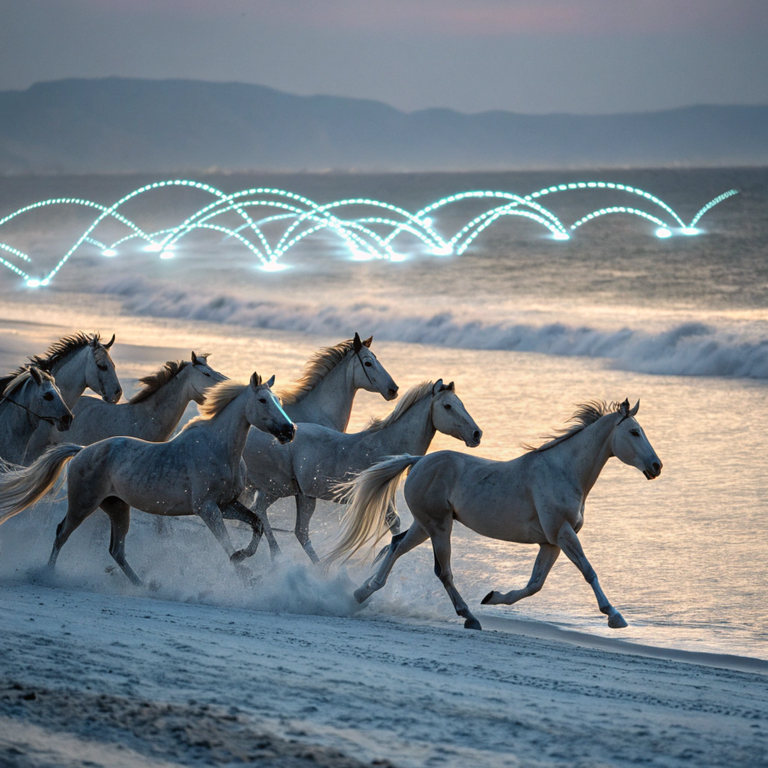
[[307, 217]]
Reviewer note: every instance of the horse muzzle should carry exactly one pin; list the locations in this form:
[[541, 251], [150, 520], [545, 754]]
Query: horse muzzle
[[652, 472], [391, 393], [64, 423], [474, 441], [285, 434], [114, 398]]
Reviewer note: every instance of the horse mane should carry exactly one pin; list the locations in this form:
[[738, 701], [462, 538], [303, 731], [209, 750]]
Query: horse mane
[[409, 399], [586, 414], [13, 381], [61, 348], [316, 369], [219, 396], [158, 379], [54, 354]]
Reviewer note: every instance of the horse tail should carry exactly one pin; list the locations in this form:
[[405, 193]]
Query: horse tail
[[21, 487], [369, 496]]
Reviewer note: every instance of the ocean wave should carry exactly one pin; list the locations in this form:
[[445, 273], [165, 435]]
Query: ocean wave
[[687, 349]]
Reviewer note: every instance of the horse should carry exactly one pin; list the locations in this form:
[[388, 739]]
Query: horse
[[29, 397], [323, 395], [318, 459], [537, 498], [77, 362], [152, 413], [198, 472]]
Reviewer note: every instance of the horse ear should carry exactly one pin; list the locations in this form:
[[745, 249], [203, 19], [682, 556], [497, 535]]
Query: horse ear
[[194, 358], [271, 381], [357, 344], [95, 340], [437, 387], [368, 341], [110, 343], [452, 386], [36, 375], [634, 411], [255, 380], [624, 408]]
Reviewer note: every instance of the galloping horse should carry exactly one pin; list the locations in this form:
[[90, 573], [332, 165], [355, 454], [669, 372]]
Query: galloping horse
[[199, 472], [537, 498], [152, 413], [28, 398], [323, 395], [77, 362], [313, 465]]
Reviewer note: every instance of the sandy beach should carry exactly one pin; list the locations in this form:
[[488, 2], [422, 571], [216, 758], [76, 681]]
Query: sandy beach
[[131, 680]]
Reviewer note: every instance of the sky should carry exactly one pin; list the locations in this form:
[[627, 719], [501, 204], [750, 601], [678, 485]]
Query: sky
[[530, 56]]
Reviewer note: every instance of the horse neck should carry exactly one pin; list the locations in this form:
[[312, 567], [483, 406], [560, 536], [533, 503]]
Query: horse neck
[[230, 427], [411, 433], [590, 449], [329, 402], [69, 373], [16, 428], [162, 410]]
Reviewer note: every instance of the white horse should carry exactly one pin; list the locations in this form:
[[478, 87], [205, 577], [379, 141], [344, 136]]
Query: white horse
[[196, 473], [537, 498], [323, 395], [28, 398], [151, 414], [77, 362], [312, 466]]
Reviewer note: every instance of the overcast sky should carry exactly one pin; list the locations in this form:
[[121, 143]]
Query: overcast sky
[[584, 56]]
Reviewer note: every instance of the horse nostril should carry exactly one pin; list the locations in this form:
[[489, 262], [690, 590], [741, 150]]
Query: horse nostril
[[477, 434], [656, 467]]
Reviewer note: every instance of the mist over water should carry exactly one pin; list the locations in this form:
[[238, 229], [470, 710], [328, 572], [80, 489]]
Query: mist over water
[[527, 326]]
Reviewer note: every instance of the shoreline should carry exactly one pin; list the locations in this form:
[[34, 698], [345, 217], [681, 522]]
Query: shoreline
[[412, 693]]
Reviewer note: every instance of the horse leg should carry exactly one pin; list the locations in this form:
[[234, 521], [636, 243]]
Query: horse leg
[[402, 543], [120, 517], [211, 515], [261, 503], [305, 508], [570, 544], [76, 515], [548, 553], [235, 510], [441, 544], [392, 519]]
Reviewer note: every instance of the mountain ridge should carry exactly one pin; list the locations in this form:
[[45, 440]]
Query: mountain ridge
[[114, 125]]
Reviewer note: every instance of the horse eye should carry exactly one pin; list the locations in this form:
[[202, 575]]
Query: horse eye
[[262, 400], [206, 374], [102, 367], [368, 364], [634, 433], [48, 396], [447, 407]]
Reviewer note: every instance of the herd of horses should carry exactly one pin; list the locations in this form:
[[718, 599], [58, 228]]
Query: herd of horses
[[250, 447]]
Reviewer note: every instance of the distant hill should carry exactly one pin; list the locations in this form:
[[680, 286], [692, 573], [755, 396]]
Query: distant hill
[[123, 125]]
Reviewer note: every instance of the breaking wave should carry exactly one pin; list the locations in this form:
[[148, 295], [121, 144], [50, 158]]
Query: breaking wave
[[687, 349]]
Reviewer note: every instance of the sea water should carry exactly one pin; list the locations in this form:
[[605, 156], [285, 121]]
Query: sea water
[[526, 325]]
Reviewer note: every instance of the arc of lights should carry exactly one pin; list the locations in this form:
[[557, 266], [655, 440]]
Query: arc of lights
[[307, 217]]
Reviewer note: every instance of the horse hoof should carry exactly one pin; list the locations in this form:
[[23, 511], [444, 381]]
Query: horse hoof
[[472, 624], [616, 621], [239, 556], [487, 599], [361, 595]]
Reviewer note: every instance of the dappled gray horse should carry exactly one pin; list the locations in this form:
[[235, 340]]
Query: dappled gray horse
[[28, 398], [537, 498], [312, 466], [77, 362], [323, 395], [152, 413], [198, 472]]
